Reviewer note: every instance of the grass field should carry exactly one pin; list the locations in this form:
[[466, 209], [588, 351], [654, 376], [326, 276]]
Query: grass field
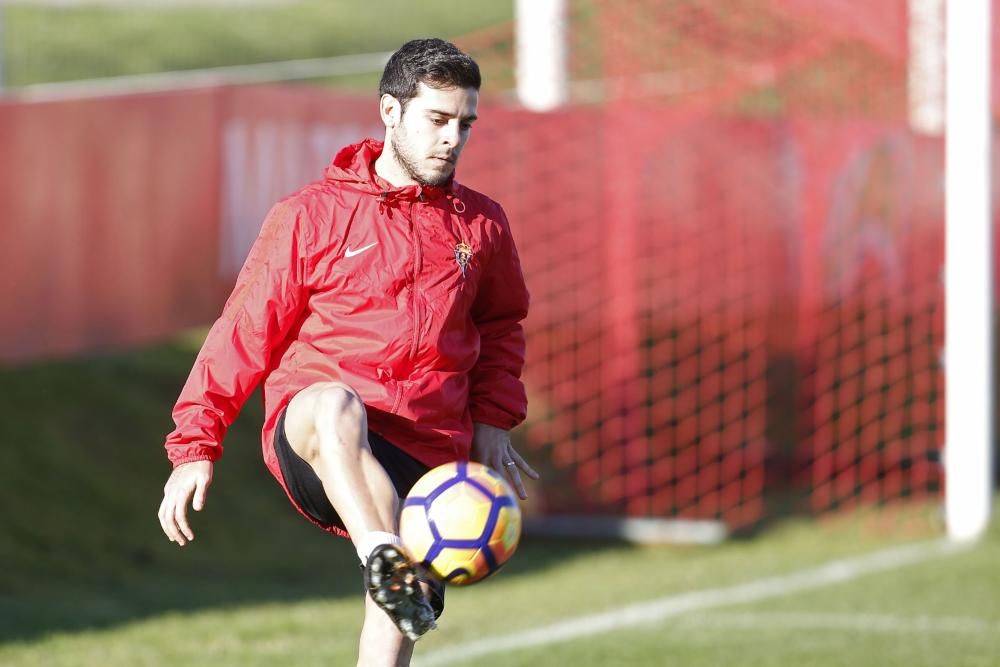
[[56, 43], [87, 579]]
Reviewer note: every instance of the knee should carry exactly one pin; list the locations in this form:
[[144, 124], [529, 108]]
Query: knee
[[323, 416], [339, 407]]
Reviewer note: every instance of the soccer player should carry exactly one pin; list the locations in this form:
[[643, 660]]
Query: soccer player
[[381, 307]]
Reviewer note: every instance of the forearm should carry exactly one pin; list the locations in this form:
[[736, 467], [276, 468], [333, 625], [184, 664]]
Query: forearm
[[218, 385], [269, 295]]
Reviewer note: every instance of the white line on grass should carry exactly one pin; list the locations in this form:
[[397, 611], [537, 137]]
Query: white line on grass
[[654, 611], [207, 77], [807, 620]]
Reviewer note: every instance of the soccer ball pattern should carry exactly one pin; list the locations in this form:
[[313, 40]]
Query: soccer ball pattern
[[462, 521]]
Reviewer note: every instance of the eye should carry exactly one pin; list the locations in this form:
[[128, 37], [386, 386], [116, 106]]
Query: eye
[[437, 120], [466, 127]]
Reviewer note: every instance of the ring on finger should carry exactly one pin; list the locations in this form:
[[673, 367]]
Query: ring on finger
[[510, 463]]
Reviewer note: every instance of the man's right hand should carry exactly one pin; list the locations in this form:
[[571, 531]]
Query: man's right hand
[[186, 480]]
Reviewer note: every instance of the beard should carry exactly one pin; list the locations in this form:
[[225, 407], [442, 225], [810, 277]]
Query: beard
[[410, 163]]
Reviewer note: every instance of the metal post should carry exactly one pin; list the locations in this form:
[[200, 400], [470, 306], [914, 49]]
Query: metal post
[[3, 45], [968, 272], [541, 53], [925, 76]]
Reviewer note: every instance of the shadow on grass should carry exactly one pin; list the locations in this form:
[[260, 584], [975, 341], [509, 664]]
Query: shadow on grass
[[80, 483]]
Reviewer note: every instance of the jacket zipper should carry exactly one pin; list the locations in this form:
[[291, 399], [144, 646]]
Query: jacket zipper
[[417, 266], [398, 399]]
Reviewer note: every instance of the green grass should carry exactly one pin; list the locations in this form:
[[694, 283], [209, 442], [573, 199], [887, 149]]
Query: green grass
[[44, 43], [86, 577], [82, 474]]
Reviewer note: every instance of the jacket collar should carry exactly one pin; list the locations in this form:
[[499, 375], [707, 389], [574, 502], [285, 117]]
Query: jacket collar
[[355, 164]]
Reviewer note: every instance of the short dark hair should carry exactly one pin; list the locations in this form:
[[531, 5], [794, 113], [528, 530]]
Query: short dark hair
[[433, 62]]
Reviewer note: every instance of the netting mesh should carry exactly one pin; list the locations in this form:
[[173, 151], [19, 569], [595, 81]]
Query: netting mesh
[[734, 242], [655, 285], [876, 410]]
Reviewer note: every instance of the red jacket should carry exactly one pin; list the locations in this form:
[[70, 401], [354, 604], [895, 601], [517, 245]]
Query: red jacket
[[413, 296]]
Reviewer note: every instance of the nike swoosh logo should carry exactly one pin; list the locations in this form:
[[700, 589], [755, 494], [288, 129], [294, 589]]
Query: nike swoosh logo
[[352, 253]]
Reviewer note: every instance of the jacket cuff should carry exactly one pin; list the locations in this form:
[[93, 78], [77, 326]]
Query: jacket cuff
[[192, 453], [491, 416]]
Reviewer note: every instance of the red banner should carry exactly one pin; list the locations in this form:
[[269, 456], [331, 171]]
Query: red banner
[[108, 211]]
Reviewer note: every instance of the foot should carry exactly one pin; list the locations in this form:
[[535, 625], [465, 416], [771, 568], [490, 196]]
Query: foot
[[392, 582]]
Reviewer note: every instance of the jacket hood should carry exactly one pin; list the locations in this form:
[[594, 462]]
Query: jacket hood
[[355, 165]]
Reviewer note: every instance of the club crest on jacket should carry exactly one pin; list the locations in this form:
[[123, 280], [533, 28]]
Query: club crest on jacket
[[463, 253]]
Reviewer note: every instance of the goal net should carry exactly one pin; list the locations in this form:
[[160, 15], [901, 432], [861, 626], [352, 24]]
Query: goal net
[[733, 232]]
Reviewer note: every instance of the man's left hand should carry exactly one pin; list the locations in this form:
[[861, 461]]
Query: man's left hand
[[491, 446]]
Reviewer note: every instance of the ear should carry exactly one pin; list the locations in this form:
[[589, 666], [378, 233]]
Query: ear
[[390, 109]]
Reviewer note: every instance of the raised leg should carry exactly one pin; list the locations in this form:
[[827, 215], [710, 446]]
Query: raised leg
[[327, 426]]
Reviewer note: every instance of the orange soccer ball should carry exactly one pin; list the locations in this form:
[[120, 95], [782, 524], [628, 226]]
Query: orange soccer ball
[[462, 521]]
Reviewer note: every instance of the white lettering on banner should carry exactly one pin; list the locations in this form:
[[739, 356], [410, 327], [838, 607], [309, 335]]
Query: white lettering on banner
[[870, 214], [262, 161]]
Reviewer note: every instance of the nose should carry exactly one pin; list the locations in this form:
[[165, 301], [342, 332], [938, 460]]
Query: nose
[[451, 134]]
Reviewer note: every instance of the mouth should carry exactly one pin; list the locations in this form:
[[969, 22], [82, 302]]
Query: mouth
[[448, 160]]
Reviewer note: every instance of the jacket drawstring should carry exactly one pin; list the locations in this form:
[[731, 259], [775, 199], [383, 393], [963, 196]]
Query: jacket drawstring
[[383, 205], [387, 197]]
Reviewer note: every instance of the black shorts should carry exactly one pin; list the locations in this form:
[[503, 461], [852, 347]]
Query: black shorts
[[306, 488]]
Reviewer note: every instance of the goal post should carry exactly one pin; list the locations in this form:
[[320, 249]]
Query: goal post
[[540, 53], [968, 354]]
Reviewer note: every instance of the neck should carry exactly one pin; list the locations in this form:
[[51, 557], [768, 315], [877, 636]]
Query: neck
[[389, 169]]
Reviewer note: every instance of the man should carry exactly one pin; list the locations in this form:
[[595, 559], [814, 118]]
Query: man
[[381, 307]]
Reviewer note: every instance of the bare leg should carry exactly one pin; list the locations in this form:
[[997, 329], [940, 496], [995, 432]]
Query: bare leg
[[381, 641], [327, 426]]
